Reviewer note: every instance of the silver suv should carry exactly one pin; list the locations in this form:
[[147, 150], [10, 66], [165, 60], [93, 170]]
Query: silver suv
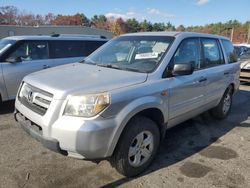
[[118, 104], [21, 55]]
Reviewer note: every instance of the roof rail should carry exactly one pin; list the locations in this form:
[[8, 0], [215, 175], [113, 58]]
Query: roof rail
[[78, 35]]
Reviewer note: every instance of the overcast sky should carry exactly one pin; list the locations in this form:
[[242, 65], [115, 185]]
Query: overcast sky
[[186, 12]]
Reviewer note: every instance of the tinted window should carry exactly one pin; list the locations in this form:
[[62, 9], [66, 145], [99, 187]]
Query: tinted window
[[31, 50], [230, 52], [4, 44], [212, 53], [188, 52], [91, 46], [64, 49]]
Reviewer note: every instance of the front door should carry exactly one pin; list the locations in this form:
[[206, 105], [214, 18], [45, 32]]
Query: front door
[[34, 56], [187, 92]]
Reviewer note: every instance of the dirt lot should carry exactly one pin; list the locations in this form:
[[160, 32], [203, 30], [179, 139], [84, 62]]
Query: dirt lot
[[201, 152]]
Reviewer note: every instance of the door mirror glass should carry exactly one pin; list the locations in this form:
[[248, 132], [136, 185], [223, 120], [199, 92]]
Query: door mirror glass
[[14, 59], [182, 69]]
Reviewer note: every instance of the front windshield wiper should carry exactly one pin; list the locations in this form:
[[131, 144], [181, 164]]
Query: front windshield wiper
[[113, 66], [133, 69], [89, 62], [120, 68], [108, 66]]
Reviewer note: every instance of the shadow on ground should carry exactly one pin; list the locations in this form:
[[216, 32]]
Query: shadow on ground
[[195, 135], [7, 107]]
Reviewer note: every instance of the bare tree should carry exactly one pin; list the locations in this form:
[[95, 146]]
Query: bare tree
[[8, 15], [49, 18]]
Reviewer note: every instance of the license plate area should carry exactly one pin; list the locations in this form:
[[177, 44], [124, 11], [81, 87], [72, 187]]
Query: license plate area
[[29, 124]]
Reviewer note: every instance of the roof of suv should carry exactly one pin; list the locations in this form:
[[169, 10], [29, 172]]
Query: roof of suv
[[176, 34], [58, 37]]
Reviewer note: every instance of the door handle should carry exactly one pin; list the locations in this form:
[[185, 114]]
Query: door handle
[[46, 66], [226, 73], [203, 79]]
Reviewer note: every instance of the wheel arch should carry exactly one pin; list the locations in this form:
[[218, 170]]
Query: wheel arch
[[233, 86], [152, 110], [156, 116]]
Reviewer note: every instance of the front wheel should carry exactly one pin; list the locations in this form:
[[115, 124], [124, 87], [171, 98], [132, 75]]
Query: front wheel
[[137, 147], [223, 108]]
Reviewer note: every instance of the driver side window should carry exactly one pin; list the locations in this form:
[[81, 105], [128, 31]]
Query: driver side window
[[31, 50], [188, 52]]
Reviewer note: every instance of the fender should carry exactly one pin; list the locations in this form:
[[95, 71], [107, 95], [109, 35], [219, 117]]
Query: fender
[[130, 111]]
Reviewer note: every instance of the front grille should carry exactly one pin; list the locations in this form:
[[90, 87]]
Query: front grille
[[245, 70], [35, 99]]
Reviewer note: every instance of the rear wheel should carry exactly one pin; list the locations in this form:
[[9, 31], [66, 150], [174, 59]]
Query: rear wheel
[[223, 108], [137, 147]]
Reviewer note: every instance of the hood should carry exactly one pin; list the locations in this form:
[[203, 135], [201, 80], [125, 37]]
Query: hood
[[245, 64], [79, 78]]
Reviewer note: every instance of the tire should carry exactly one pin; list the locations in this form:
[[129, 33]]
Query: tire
[[222, 110], [137, 147]]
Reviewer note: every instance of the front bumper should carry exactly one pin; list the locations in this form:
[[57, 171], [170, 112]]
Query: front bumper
[[72, 136], [33, 131]]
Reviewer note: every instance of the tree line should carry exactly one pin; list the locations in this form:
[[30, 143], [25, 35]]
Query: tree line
[[11, 15]]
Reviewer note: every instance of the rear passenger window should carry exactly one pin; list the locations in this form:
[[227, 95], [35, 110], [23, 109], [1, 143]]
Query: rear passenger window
[[212, 53], [188, 52], [230, 51], [66, 49], [91, 46]]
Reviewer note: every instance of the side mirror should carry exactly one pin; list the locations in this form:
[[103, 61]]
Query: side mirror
[[14, 59], [182, 69]]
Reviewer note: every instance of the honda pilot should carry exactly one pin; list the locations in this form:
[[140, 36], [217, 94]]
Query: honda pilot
[[118, 103]]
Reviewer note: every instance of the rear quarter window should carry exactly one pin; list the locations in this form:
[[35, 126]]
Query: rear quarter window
[[230, 51]]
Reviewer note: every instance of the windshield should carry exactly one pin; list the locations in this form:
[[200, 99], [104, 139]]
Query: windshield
[[132, 53], [4, 44]]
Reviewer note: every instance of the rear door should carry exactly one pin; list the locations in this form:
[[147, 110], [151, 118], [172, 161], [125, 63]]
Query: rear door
[[232, 68], [216, 71], [71, 51], [34, 56]]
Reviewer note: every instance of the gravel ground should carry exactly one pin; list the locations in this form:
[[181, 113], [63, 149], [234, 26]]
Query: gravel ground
[[201, 152]]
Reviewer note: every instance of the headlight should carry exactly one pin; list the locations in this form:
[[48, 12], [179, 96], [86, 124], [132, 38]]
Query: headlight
[[87, 105], [245, 65]]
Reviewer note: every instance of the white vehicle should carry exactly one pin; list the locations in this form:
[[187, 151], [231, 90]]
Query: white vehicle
[[245, 67], [22, 55]]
